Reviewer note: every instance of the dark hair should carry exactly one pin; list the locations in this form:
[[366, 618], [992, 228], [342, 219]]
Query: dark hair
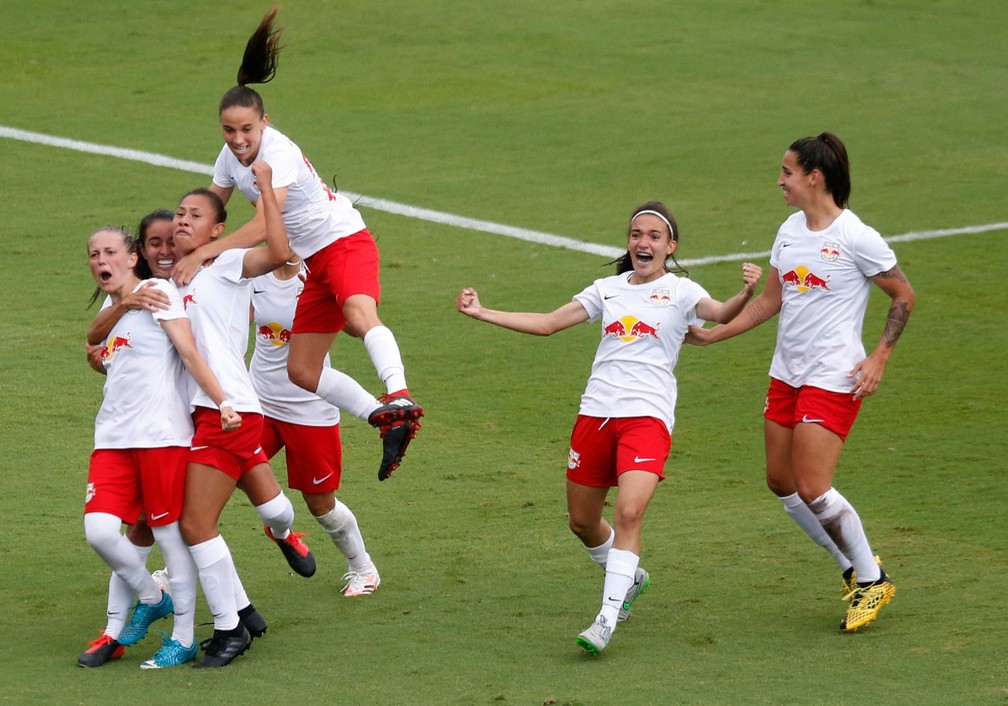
[[142, 268], [128, 243], [625, 264], [215, 200], [826, 153], [259, 65]]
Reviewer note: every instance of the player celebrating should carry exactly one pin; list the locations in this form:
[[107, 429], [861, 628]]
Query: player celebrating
[[141, 446], [823, 263], [303, 423], [217, 301], [342, 290], [622, 436]]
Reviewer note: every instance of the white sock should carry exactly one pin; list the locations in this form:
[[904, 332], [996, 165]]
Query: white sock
[[277, 514], [619, 577], [213, 560], [384, 352], [241, 598], [103, 532], [807, 520], [600, 553], [341, 390], [181, 579], [120, 599], [341, 524], [842, 524]]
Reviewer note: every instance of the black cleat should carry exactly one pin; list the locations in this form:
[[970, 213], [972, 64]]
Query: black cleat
[[224, 647], [253, 621], [394, 410], [395, 439], [104, 649], [295, 552]]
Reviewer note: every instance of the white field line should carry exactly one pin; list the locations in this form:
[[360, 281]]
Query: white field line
[[442, 217]]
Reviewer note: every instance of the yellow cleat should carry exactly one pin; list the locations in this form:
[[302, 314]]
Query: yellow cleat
[[849, 584], [866, 602]]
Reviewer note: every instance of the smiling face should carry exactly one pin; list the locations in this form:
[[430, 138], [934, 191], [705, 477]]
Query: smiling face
[[110, 260], [794, 181], [196, 223], [649, 244], [157, 248], [243, 130]]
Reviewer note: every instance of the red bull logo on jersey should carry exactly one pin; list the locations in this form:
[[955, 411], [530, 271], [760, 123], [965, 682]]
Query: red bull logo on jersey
[[803, 279], [274, 333], [660, 297], [630, 328], [189, 299], [114, 345], [830, 252]]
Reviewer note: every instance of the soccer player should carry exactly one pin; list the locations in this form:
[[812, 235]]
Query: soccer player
[[823, 263], [623, 433], [217, 301], [304, 424], [342, 291], [142, 435]]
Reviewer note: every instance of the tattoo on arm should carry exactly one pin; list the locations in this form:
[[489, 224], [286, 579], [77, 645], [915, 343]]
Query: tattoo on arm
[[895, 322], [894, 273]]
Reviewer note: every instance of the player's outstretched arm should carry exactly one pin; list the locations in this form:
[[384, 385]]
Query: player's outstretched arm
[[537, 324]]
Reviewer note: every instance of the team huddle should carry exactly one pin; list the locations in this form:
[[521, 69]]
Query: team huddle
[[184, 421]]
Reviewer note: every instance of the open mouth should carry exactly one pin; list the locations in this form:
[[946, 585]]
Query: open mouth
[[105, 275], [644, 258]]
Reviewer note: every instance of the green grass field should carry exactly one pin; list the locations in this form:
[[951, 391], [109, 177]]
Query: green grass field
[[557, 117]]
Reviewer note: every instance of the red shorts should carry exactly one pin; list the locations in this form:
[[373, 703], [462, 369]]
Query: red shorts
[[231, 452], [314, 454], [602, 449], [346, 267], [130, 482], [791, 406]]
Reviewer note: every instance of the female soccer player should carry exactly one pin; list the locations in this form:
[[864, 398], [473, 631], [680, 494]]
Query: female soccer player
[[142, 435], [304, 424], [622, 436], [217, 301], [823, 263], [342, 291]]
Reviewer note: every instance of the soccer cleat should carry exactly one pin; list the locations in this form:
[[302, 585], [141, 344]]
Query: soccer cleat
[[104, 649], [849, 579], [395, 439], [641, 582], [866, 602], [171, 654], [596, 637], [397, 407], [295, 552], [361, 583], [143, 617], [162, 579], [253, 621], [224, 647]]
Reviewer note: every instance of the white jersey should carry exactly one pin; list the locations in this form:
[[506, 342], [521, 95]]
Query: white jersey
[[313, 215], [643, 326], [145, 403], [825, 279], [217, 301], [273, 302]]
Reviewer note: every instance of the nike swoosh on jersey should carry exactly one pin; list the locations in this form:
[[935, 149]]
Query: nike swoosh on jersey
[[155, 518], [197, 448], [610, 296], [638, 459], [805, 420], [320, 481]]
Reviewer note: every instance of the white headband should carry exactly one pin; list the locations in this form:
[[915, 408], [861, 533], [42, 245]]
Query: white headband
[[671, 230]]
